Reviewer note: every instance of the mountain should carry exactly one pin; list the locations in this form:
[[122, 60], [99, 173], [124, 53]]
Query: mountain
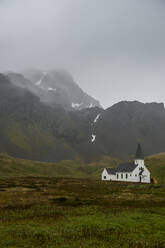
[[54, 88], [19, 80], [33, 129], [28, 127], [121, 126]]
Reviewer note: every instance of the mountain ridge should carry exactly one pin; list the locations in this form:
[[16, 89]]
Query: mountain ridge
[[55, 87], [31, 129]]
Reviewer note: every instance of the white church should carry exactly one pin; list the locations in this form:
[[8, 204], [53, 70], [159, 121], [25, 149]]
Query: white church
[[129, 172]]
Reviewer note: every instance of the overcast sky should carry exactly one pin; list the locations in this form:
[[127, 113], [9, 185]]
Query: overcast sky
[[115, 49]]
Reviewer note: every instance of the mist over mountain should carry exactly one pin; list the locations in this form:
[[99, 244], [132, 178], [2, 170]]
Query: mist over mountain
[[28, 127], [55, 87], [36, 130], [32, 128], [114, 49]]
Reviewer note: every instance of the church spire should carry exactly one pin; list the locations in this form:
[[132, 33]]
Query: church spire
[[139, 153]]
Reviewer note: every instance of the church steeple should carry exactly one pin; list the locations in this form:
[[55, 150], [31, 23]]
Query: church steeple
[[139, 153]]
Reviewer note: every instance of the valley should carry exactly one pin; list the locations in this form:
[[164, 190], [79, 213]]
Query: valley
[[82, 124], [52, 152]]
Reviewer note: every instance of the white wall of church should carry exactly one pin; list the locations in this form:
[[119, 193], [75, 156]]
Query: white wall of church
[[145, 177], [107, 177], [127, 177]]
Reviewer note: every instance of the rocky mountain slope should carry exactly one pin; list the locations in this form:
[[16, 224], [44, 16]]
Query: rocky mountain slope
[[28, 127], [31, 129], [54, 87], [124, 124]]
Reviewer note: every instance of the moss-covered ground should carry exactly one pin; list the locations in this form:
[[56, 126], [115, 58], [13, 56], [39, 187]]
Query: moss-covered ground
[[72, 213]]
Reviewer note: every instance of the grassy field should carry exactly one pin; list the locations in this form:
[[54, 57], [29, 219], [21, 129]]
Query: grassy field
[[71, 213]]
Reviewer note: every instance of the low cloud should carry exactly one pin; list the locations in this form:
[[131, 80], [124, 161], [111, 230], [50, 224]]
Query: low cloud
[[114, 49]]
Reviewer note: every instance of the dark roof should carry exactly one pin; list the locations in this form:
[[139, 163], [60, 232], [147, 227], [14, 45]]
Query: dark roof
[[126, 167], [111, 171], [139, 153]]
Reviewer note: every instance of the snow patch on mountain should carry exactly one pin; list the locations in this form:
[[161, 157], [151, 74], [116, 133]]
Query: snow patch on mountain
[[76, 105], [91, 105], [97, 117], [93, 138], [40, 81], [70, 95], [51, 89]]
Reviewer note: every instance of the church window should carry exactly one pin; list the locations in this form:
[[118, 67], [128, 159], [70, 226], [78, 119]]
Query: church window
[[126, 175], [104, 177], [121, 175], [117, 176]]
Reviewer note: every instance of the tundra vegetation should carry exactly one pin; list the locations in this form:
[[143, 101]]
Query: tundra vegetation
[[66, 205], [68, 213]]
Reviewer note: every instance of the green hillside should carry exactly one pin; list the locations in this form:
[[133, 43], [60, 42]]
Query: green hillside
[[10, 166], [156, 164]]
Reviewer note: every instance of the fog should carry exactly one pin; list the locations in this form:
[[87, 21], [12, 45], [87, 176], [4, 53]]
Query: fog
[[114, 49]]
